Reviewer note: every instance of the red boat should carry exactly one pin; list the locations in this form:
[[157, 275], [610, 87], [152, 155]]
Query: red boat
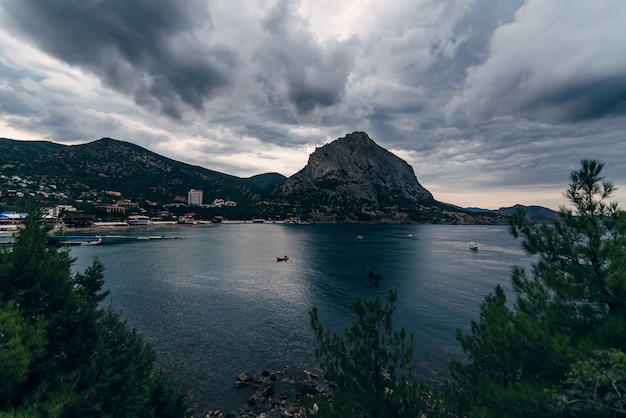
[[282, 258]]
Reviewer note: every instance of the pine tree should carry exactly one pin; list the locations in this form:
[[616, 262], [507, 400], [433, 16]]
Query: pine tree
[[525, 360], [369, 364], [63, 353]]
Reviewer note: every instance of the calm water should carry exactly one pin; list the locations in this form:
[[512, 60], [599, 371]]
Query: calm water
[[215, 302]]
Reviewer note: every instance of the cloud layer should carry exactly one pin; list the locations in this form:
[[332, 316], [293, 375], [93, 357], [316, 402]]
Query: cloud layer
[[493, 103]]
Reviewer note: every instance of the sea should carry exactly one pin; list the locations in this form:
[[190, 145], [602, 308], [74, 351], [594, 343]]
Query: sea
[[214, 302]]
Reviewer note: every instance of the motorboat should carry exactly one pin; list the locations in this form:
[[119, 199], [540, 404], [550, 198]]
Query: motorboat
[[89, 241], [359, 237], [473, 246], [282, 258], [92, 241]]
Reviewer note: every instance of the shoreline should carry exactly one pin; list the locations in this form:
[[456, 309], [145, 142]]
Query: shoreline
[[117, 226], [114, 226]]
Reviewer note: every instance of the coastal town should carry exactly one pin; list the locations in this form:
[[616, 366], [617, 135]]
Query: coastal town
[[108, 207]]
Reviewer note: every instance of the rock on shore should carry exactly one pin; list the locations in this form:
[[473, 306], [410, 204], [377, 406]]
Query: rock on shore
[[273, 393]]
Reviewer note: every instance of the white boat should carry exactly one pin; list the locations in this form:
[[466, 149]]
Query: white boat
[[473, 246], [359, 237], [89, 241], [410, 236], [92, 241]]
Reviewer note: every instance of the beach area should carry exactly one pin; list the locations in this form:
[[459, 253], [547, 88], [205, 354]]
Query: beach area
[[113, 226]]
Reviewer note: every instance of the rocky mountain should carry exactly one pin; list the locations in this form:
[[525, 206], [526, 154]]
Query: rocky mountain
[[355, 167], [352, 179]]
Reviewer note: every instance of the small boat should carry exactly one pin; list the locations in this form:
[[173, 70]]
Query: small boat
[[282, 258], [359, 237], [473, 246], [90, 241], [410, 236]]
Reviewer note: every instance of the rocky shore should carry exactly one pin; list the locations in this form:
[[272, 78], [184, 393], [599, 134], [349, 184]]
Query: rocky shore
[[273, 394]]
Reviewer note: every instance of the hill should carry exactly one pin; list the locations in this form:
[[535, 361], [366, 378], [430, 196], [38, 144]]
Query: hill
[[533, 212], [109, 164]]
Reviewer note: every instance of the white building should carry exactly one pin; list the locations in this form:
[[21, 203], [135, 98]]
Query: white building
[[194, 197]]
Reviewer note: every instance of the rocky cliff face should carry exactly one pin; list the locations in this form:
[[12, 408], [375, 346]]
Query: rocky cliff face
[[353, 176]]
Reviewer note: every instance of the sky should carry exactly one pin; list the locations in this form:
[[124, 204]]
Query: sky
[[492, 102]]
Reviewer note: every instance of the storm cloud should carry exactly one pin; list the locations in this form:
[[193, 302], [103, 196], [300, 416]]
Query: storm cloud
[[551, 64], [161, 53], [493, 103]]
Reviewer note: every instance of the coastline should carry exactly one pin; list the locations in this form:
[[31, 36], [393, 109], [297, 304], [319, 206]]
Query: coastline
[[115, 226], [121, 225]]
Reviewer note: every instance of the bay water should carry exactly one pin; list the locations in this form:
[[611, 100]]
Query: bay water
[[215, 302]]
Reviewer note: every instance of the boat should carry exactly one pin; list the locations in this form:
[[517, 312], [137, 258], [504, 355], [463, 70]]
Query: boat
[[282, 258], [473, 246], [359, 237], [410, 236], [92, 241]]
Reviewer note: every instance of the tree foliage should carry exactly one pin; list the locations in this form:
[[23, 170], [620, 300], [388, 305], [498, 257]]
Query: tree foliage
[[567, 327], [596, 386], [62, 354], [369, 364]]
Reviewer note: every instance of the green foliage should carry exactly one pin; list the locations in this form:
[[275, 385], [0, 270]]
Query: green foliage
[[596, 385], [21, 344], [369, 363], [537, 358], [62, 354]]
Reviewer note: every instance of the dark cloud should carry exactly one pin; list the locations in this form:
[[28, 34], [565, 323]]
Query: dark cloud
[[314, 74], [312, 85], [550, 65], [142, 48], [576, 101], [480, 21]]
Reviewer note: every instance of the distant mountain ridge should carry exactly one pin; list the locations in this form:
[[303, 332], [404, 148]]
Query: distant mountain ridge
[[534, 212], [351, 179]]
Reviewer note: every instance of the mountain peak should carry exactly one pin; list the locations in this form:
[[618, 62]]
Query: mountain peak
[[355, 173]]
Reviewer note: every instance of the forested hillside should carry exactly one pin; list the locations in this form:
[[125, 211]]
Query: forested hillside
[[109, 164]]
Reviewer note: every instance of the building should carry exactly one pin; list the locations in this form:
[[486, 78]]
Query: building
[[126, 204], [111, 209], [194, 197]]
